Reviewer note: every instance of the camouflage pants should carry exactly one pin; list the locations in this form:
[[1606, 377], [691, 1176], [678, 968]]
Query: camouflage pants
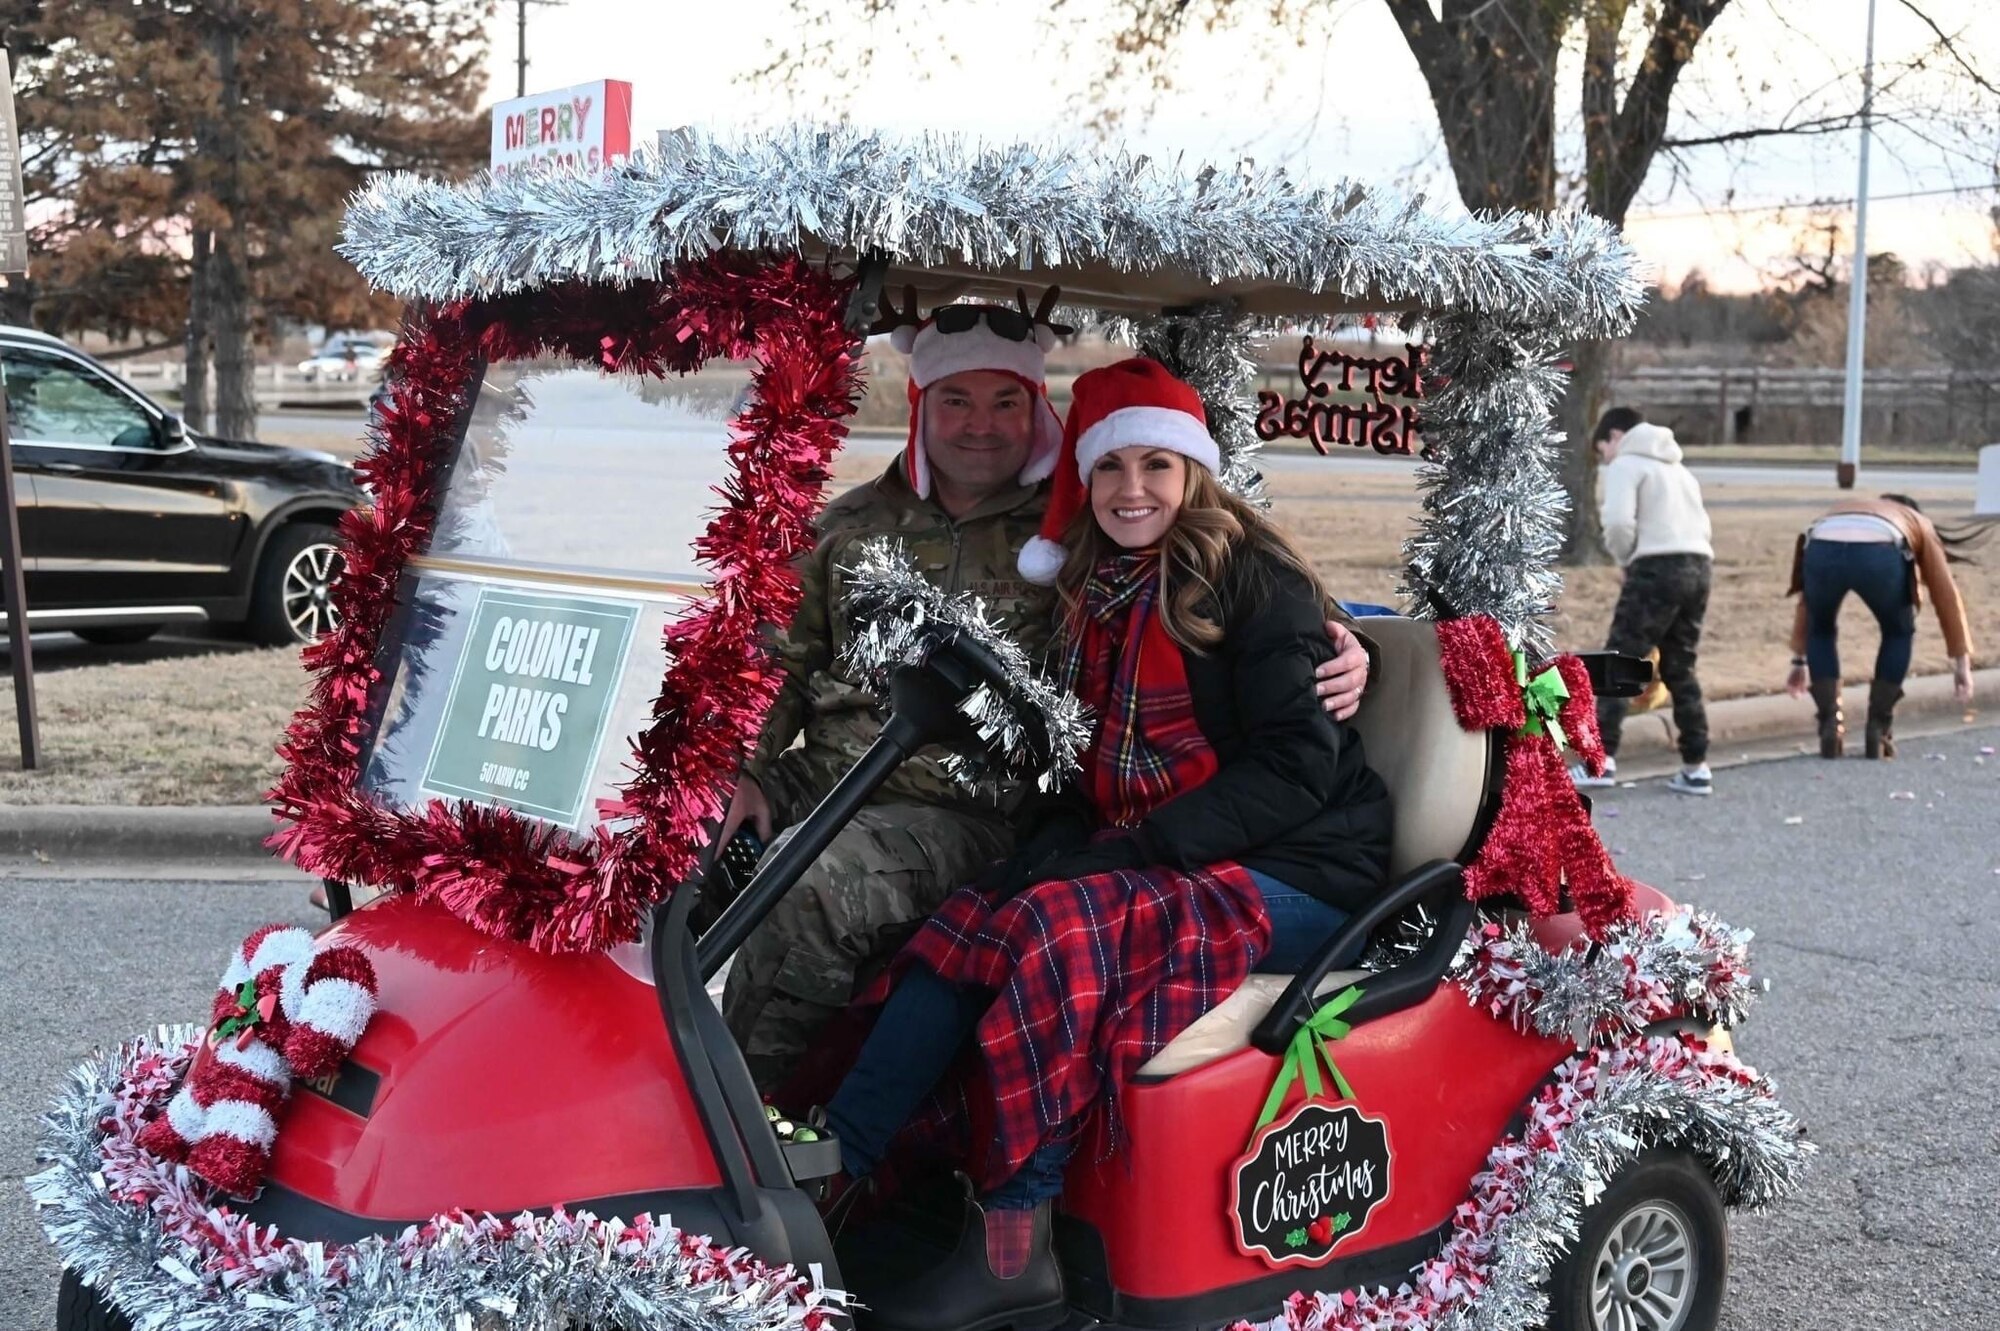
[[862, 900]]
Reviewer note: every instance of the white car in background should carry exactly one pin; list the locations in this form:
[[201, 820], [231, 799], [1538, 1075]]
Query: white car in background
[[346, 357]]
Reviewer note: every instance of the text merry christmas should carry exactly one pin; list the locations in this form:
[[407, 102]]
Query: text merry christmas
[[1385, 426], [1310, 1182]]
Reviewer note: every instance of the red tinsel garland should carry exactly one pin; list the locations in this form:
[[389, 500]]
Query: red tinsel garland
[[512, 876], [1541, 840]]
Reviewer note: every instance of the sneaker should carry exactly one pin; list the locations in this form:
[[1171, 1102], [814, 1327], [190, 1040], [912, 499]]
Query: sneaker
[[1692, 781], [1580, 775]]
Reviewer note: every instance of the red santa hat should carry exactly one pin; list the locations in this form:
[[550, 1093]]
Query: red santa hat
[[973, 344], [1136, 401]]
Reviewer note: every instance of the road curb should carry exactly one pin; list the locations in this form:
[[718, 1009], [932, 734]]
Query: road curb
[[1776, 716], [72, 832]]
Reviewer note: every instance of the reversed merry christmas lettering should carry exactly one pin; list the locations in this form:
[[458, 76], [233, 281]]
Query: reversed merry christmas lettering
[[1388, 427], [1309, 1182]]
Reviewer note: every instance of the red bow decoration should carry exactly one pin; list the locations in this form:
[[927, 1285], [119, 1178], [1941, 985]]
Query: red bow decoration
[[1542, 839]]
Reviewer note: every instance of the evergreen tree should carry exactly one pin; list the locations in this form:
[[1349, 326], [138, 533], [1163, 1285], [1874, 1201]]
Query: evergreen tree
[[188, 161]]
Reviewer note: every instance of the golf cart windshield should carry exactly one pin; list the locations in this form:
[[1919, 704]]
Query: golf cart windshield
[[531, 645]]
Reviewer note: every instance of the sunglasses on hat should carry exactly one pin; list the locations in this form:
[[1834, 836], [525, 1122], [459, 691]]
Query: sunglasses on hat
[[1005, 323]]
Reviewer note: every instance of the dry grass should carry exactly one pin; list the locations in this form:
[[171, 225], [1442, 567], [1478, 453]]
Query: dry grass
[[177, 728], [195, 723], [1352, 528]]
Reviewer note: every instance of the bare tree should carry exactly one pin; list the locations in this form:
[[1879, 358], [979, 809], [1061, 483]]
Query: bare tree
[[1492, 69]]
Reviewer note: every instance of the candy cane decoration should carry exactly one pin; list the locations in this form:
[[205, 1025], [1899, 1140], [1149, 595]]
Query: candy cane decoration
[[284, 1011]]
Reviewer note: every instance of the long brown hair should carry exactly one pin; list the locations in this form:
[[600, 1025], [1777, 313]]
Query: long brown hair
[[1212, 527]]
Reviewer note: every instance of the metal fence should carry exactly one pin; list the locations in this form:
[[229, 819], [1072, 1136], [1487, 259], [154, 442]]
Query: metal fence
[[1753, 405]]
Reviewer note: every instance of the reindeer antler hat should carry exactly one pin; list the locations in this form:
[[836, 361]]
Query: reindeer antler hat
[[957, 338]]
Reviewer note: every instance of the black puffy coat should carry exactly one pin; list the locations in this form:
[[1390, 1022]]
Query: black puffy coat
[[1293, 796]]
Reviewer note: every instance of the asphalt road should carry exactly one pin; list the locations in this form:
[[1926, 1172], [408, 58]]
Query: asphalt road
[[1874, 920]]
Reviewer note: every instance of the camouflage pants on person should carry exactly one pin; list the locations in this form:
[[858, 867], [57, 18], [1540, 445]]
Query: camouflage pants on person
[[859, 903], [1663, 603]]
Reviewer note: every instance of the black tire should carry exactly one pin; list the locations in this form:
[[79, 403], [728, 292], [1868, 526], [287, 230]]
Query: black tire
[[117, 635], [287, 605], [1657, 1243], [81, 1308]]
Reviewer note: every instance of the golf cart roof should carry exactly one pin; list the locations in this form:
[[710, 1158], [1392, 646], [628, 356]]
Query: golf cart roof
[[1120, 233]]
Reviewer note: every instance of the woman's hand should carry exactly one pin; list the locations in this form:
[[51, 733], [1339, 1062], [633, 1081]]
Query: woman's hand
[[1961, 678], [1795, 683], [1339, 682]]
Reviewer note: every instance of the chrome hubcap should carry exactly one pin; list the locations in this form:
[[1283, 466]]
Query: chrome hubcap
[[1643, 1278], [307, 592]]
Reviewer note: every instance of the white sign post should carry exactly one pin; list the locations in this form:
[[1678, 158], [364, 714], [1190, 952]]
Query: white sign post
[[587, 127]]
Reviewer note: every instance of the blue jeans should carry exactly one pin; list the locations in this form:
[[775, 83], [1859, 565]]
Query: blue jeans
[[1879, 573], [1300, 925], [924, 1023]]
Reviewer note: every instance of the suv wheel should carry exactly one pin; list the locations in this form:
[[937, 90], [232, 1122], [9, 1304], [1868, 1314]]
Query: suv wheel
[[292, 604], [1653, 1254]]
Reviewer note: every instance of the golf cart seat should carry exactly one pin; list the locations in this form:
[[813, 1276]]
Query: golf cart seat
[[1437, 775]]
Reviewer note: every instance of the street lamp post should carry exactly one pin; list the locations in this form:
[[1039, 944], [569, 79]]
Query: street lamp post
[[1857, 296], [521, 43]]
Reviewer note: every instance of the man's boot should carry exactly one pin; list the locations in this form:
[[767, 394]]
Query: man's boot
[[1882, 699], [963, 1291], [1832, 726]]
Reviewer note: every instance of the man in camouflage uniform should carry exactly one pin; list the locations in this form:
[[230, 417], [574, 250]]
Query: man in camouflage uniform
[[963, 498]]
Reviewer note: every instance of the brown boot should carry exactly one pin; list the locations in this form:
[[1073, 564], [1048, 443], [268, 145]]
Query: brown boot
[[1882, 699], [1832, 726]]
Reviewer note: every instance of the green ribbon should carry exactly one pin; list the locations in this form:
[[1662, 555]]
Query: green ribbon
[[1303, 1055], [1544, 696]]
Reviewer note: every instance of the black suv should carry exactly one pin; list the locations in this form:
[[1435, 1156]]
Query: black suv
[[130, 522]]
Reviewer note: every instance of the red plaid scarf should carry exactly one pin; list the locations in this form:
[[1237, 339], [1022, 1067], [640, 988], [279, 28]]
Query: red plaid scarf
[[1123, 666], [1096, 975]]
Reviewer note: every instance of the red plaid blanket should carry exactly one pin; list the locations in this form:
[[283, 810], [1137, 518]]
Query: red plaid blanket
[[1094, 977]]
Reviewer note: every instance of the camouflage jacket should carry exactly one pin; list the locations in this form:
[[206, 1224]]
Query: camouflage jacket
[[838, 718]]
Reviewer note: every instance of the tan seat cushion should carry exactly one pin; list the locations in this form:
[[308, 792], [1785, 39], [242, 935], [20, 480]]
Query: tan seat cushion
[[1226, 1027], [1435, 770], [1436, 773]]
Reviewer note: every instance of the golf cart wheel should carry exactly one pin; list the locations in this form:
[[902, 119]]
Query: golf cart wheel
[[1653, 1254], [81, 1308], [292, 604]]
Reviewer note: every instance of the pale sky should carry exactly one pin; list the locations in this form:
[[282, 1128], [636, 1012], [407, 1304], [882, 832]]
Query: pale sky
[[1345, 99]]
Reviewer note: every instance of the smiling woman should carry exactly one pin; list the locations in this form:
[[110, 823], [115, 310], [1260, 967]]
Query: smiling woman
[[1135, 493]]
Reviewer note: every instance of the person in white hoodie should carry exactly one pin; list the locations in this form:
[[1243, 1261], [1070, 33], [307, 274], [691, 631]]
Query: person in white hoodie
[[1657, 530]]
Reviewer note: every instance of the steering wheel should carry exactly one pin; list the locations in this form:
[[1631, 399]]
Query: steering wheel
[[1013, 723]]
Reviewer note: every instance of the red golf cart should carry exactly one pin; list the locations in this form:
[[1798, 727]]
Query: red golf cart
[[1511, 1114]]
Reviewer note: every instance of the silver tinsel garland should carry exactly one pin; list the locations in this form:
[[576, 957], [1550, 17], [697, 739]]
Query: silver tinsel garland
[[459, 1273], [950, 201], [1500, 293], [901, 617], [1493, 504], [1679, 964]]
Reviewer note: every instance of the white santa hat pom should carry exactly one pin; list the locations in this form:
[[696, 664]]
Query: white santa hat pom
[[1040, 560]]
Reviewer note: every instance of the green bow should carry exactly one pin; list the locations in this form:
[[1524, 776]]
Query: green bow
[[1544, 695], [246, 1014], [1303, 1055]]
